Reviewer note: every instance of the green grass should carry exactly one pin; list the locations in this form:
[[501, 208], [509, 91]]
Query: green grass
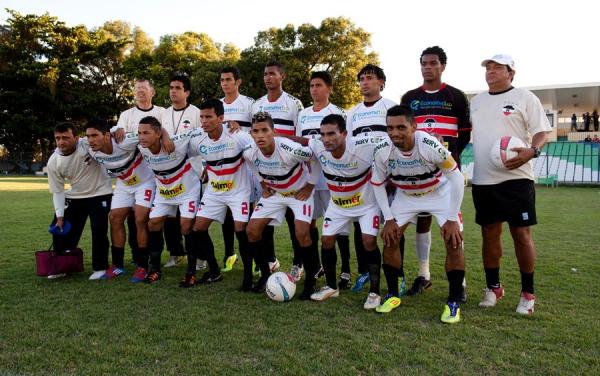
[[76, 326]]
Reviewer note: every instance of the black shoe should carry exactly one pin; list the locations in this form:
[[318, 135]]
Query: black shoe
[[260, 285], [419, 286], [188, 281], [246, 286], [306, 293], [152, 277], [208, 278], [344, 282]]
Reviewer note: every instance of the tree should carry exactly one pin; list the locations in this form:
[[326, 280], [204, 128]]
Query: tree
[[336, 46]]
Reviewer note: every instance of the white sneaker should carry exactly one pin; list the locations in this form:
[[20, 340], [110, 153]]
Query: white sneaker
[[97, 275], [296, 272], [491, 297], [55, 276], [173, 261], [274, 266], [526, 304], [373, 301], [325, 293], [201, 264]]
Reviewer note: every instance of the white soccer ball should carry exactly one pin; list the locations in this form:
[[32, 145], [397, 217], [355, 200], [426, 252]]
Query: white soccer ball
[[502, 150], [280, 287]]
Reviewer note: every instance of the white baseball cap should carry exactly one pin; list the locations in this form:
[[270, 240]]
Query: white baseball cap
[[500, 59]]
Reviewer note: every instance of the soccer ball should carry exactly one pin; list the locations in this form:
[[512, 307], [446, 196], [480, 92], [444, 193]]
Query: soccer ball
[[501, 151], [280, 287]]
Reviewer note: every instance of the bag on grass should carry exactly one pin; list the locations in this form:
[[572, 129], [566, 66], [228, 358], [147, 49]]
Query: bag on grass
[[51, 262]]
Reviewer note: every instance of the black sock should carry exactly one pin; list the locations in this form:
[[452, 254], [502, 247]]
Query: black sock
[[208, 252], [256, 249], [329, 260], [155, 246], [242, 238], [361, 253], [310, 259], [402, 241], [289, 217], [192, 248], [343, 242], [268, 243], [132, 236], [455, 288], [374, 267], [117, 255], [141, 260], [527, 282], [391, 276], [492, 277], [228, 229]]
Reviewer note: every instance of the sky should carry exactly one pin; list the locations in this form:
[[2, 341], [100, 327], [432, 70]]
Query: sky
[[552, 42]]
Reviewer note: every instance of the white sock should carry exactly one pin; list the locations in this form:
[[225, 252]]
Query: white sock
[[423, 246]]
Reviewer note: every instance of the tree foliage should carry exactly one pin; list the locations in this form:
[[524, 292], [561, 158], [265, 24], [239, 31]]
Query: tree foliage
[[52, 72]]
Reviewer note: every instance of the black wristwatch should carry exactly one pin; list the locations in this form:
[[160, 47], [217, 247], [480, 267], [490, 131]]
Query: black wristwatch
[[536, 151]]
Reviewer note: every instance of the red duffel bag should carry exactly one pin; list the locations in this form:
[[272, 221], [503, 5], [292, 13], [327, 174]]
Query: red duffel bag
[[51, 262]]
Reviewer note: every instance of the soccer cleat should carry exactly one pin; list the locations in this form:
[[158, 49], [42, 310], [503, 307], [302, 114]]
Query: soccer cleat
[[188, 281], [390, 302], [297, 271], [491, 296], [361, 281], [113, 272], [402, 286], [138, 276], [373, 301], [274, 266], [152, 277], [419, 285], [201, 264], [325, 293], [173, 261], [208, 278], [229, 262], [56, 276], [526, 304], [345, 279], [259, 286], [97, 275], [451, 314]]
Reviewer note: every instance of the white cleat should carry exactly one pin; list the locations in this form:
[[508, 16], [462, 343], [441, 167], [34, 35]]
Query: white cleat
[[373, 301], [296, 272], [173, 261], [97, 275], [201, 264], [274, 266], [526, 304], [325, 293], [491, 297]]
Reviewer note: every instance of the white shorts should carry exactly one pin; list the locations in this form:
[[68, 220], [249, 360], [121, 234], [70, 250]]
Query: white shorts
[[321, 202], [337, 221], [187, 204], [275, 207], [407, 209], [215, 207], [127, 196]]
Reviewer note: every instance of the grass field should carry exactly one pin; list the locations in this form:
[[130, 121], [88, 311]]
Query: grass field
[[76, 326]]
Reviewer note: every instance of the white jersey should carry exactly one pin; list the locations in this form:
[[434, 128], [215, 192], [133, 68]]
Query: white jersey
[[417, 172], [239, 110], [173, 172], [227, 174], [369, 120], [348, 176], [130, 119], [515, 112], [125, 163], [309, 126], [181, 121], [284, 112], [284, 171], [309, 120]]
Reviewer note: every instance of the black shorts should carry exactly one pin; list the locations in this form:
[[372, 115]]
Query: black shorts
[[512, 201]]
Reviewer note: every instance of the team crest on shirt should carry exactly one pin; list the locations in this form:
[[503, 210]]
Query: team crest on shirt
[[429, 123], [326, 222], [186, 124], [507, 110]]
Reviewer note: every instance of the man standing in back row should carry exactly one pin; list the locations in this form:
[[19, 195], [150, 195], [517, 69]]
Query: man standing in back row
[[443, 111], [507, 194]]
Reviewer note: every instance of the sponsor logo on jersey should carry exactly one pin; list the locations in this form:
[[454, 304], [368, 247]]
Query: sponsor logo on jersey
[[507, 110], [203, 149], [298, 152], [171, 192], [274, 108], [433, 104], [222, 186], [311, 119], [368, 114], [348, 202], [338, 166], [288, 194], [132, 181]]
